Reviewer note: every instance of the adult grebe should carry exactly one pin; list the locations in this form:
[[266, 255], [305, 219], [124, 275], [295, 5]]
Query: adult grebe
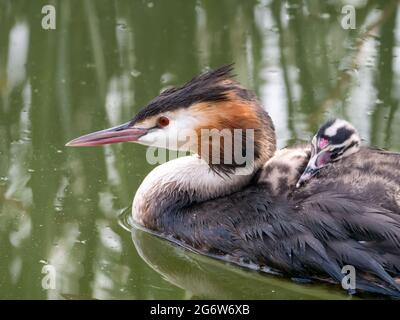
[[346, 215]]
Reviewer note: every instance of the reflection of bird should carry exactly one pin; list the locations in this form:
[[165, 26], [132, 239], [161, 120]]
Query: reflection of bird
[[204, 278], [348, 214]]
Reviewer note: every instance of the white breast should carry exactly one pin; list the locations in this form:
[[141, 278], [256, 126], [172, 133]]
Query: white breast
[[186, 173]]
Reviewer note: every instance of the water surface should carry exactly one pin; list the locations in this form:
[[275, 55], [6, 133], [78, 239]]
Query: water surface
[[59, 206]]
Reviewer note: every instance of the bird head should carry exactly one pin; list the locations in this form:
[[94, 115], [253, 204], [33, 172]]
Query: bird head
[[198, 117], [334, 140]]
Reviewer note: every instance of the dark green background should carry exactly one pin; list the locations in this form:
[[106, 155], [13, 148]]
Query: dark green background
[[103, 62]]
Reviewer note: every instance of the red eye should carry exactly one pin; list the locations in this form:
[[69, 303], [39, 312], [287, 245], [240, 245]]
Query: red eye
[[163, 122]]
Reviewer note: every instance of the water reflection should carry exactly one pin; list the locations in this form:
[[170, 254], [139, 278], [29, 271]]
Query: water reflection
[[104, 61], [205, 278]]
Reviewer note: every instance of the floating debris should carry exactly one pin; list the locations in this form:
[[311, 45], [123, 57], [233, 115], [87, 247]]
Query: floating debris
[[122, 26], [4, 179], [135, 73], [167, 77], [274, 29]]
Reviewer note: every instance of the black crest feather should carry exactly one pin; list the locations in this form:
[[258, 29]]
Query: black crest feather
[[205, 87]]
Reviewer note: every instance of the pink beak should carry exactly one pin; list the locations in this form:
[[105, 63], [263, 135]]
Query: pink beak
[[121, 133]]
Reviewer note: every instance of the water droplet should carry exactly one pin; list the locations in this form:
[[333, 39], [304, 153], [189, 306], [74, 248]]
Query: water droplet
[[31, 170], [150, 5]]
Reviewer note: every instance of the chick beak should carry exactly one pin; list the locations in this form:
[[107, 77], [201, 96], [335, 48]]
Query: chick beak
[[316, 162], [121, 133]]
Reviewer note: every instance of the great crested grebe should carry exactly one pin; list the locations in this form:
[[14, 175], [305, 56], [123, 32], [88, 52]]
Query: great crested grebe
[[348, 214]]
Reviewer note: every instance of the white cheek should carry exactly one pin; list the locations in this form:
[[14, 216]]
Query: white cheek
[[170, 138], [179, 135], [156, 138]]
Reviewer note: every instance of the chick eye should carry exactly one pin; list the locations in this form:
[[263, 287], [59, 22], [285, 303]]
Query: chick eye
[[323, 142], [162, 122]]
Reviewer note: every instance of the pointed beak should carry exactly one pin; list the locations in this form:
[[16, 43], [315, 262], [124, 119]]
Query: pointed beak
[[121, 133], [307, 174], [316, 162]]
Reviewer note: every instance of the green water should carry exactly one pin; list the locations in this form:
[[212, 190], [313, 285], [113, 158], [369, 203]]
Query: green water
[[105, 59]]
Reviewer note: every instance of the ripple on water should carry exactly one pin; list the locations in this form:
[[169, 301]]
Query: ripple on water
[[125, 219]]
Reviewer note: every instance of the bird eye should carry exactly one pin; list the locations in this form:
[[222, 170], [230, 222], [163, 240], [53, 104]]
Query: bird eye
[[323, 142], [162, 122]]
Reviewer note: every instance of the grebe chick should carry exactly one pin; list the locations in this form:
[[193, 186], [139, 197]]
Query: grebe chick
[[334, 140], [293, 166], [281, 173]]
